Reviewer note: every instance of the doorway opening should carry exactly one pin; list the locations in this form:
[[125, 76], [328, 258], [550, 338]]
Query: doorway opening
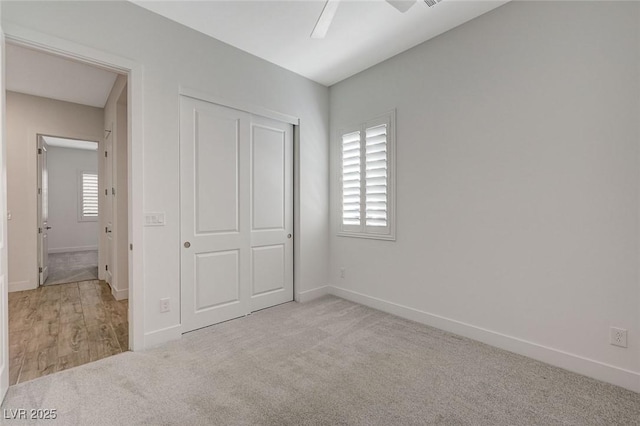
[[67, 197], [68, 208]]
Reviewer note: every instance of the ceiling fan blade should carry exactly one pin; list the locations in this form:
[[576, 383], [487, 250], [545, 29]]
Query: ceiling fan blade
[[324, 21], [402, 5]]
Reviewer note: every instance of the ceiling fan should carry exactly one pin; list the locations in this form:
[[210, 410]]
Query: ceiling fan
[[331, 6]]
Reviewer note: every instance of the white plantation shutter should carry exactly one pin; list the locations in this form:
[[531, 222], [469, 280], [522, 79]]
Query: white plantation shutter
[[367, 158], [89, 198], [351, 179], [376, 176]]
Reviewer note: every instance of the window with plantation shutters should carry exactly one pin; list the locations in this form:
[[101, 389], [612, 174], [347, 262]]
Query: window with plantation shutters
[[88, 202], [366, 179]]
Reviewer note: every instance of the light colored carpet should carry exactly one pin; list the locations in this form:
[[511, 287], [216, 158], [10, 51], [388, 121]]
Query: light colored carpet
[[327, 362], [72, 267]]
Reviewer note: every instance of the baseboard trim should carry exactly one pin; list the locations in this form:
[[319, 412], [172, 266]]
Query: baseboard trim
[[120, 294], [21, 286], [72, 249], [158, 337], [314, 293], [568, 361]]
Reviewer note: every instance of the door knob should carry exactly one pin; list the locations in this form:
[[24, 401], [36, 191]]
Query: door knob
[[187, 244], [289, 236]]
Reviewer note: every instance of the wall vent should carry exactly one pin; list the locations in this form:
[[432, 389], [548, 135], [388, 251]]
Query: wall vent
[[432, 3]]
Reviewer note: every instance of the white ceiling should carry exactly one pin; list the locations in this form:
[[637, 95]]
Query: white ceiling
[[40, 74], [363, 32], [70, 143]]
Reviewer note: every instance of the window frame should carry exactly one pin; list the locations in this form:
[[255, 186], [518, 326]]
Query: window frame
[[81, 216], [362, 230]]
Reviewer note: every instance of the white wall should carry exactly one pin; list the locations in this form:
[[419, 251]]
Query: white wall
[[67, 232], [517, 177], [28, 116], [174, 56]]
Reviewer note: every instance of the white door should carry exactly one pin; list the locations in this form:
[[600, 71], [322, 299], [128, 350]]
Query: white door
[[108, 210], [271, 190], [236, 209], [43, 211], [4, 311]]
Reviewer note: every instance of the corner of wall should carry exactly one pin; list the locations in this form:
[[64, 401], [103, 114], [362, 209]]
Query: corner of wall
[[309, 295], [21, 286], [165, 335]]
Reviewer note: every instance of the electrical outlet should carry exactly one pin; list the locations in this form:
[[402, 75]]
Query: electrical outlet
[[164, 305], [343, 272], [618, 337]]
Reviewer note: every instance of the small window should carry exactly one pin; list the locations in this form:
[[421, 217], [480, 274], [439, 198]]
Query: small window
[[367, 156], [88, 197]]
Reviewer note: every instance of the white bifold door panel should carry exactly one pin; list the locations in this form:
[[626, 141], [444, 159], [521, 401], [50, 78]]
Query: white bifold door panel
[[236, 213]]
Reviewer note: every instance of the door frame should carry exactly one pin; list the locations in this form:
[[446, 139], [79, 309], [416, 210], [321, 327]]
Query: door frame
[[39, 135], [274, 115], [34, 40], [40, 144]]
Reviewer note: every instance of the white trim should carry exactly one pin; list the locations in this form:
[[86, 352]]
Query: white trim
[[72, 249], [164, 335], [309, 295], [239, 105], [568, 361], [26, 37], [4, 270], [297, 249], [4, 296], [38, 134], [31, 39], [120, 294], [21, 286]]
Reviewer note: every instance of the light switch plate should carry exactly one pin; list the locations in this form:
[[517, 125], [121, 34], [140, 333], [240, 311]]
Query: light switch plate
[[154, 219]]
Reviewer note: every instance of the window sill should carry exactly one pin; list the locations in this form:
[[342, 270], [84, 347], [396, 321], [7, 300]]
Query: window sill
[[367, 236]]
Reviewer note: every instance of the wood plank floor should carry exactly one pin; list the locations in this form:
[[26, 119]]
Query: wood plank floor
[[61, 326]]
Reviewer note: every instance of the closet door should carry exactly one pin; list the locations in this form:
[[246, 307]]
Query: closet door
[[236, 213], [271, 213], [214, 213]]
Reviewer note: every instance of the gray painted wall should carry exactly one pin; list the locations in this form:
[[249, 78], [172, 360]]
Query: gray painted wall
[[517, 181], [67, 232]]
